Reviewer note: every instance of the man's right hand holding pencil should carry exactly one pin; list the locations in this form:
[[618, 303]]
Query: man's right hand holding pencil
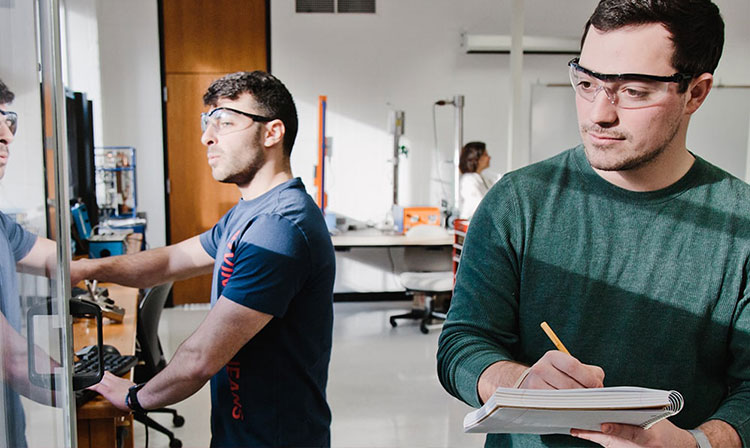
[[557, 369]]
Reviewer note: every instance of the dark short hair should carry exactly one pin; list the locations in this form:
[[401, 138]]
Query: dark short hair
[[6, 96], [271, 95], [470, 154], [696, 27]]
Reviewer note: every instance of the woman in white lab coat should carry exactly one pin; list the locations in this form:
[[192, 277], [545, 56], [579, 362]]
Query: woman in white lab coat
[[472, 185]]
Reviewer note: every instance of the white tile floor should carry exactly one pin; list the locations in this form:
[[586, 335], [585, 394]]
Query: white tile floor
[[383, 388]]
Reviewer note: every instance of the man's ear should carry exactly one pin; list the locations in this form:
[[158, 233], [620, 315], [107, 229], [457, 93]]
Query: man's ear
[[698, 91], [275, 131]]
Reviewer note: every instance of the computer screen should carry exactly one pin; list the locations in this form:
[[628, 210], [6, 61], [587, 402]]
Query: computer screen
[[80, 137]]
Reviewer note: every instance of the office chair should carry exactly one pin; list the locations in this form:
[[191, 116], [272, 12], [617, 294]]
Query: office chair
[[151, 356], [431, 290]]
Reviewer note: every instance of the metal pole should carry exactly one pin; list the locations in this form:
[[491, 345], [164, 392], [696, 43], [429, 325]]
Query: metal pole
[[320, 167], [516, 84], [458, 103], [398, 131], [54, 141]]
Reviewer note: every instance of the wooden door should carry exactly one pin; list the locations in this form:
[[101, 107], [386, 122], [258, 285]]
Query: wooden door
[[203, 40]]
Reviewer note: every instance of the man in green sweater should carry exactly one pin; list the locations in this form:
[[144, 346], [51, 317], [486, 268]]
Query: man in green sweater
[[635, 250]]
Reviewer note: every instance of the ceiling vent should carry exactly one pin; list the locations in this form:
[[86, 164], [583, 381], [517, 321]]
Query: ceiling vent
[[491, 43], [315, 6], [333, 6], [359, 6]]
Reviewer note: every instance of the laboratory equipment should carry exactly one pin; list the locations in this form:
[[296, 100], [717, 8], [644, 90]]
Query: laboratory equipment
[[396, 127], [115, 181]]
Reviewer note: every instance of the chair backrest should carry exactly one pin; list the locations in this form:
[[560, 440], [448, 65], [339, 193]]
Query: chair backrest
[[149, 314]]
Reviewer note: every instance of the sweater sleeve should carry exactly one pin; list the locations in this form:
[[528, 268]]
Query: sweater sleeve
[[734, 408], [487, 284]]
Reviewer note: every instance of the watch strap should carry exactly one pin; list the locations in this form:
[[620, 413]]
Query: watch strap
[[521, 378], [131, 400], [700, 438]]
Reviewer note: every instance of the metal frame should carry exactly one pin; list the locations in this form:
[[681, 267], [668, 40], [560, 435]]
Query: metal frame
[[50, 66]]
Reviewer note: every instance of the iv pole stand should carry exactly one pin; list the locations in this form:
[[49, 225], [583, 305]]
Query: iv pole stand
[[398, 130], [458, 103]]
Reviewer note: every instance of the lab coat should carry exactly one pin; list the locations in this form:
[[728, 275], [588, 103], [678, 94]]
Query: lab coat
[[472, 188]]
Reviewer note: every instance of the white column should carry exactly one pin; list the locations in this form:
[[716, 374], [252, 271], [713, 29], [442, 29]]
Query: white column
[[516, 83]]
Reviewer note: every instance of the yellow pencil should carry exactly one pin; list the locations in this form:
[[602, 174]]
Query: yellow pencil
[[553, 337]]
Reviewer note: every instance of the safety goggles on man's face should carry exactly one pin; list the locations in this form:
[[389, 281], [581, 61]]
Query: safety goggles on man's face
[[628, 90], [10, 119], [226, 120]]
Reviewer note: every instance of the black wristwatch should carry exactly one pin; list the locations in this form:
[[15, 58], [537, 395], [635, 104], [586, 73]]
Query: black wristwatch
[[131, 400]]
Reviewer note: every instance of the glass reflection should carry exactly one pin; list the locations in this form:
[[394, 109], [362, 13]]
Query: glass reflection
[[34, 404]]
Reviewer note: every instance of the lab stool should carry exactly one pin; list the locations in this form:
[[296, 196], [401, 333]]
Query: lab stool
[[431, 291]]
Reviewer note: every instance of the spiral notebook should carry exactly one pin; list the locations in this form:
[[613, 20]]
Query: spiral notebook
[[538, 411]]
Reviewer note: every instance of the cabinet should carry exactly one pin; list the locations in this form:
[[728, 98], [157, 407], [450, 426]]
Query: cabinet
[[460, 226], [202, 40]]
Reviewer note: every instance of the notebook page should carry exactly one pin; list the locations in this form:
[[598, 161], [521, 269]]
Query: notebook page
[[557, 411], [597, 398], [536, 421]]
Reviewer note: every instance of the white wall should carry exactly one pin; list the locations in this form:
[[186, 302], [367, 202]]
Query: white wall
[[407, 56], [734, 67], [79, 33], [131, 98]]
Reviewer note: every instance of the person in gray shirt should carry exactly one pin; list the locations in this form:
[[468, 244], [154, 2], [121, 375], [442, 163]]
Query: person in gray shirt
[[19, 249]]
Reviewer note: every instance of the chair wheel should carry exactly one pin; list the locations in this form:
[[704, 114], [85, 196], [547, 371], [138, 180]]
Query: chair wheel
[[423, 327], [178, 420], [175, 443], [393, 322]]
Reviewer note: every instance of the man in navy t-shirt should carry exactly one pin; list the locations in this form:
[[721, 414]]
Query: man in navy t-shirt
[[266, 343]]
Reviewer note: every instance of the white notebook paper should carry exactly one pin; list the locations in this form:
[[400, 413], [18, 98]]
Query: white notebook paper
[[540, 411]]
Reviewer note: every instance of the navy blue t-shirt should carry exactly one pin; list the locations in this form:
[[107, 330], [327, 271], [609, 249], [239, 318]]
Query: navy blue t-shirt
[[274, 254], [15, 243]]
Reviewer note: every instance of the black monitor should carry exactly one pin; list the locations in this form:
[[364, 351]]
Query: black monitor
[[80, 123]]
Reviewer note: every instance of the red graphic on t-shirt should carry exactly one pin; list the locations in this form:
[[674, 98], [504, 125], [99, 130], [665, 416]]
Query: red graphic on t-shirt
[[227, 266], [233, 373]]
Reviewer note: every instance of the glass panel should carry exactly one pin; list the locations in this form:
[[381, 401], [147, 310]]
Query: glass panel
[[36, 405]]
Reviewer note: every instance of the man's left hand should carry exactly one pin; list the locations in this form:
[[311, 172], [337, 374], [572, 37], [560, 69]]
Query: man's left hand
[[114, 389], [615, 435]]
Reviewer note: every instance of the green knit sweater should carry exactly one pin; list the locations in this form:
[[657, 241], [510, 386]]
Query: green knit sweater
[[652, 287]]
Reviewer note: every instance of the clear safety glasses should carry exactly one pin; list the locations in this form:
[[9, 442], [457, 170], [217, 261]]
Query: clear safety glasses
[[226, 120], [628, 90], [10, 119]]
